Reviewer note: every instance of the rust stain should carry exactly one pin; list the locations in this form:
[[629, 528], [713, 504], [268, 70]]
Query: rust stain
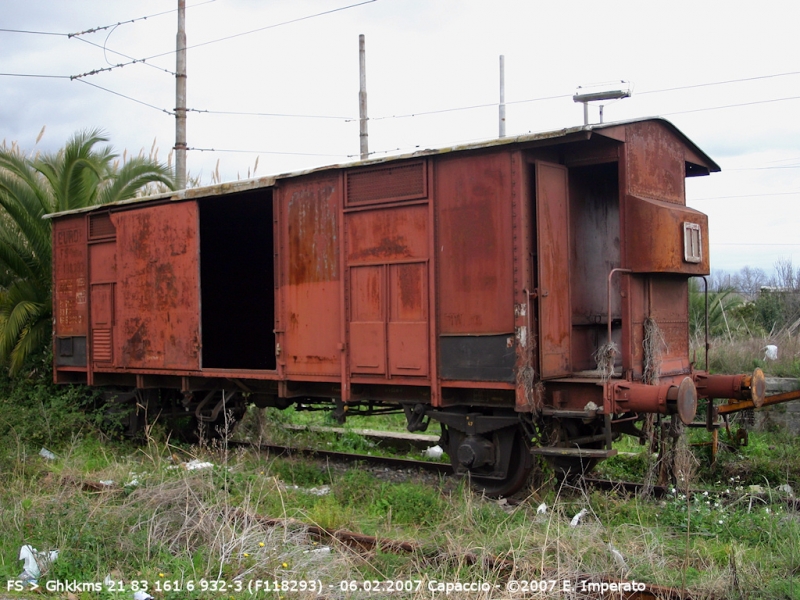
[[313, 235], [410, 284], [388, 248]]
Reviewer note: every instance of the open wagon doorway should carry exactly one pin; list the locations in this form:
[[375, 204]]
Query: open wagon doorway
[[237, 275]]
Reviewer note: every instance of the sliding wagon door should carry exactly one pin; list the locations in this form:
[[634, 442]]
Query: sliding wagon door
[[157, 296]]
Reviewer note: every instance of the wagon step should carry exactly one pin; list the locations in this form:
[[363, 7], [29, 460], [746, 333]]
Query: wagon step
[[576, 452]]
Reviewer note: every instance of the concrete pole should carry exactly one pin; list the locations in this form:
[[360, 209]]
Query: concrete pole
[[502, 96], [180, 99], [362, 98]]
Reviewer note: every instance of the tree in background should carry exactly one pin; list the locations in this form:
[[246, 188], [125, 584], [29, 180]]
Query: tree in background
[[81, 174]]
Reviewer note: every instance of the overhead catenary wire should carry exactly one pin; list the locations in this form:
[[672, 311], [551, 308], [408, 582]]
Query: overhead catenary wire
[[100, 28], [144, 18], [230, 37], [265, 114], [106, 49], [239, 151], [745, 196], [153, 106]]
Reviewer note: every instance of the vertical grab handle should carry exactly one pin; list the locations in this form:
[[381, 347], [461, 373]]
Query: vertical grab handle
[[610, 275]]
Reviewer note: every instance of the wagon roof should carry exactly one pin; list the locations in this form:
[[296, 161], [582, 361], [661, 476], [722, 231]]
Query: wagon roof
[[583, 132]]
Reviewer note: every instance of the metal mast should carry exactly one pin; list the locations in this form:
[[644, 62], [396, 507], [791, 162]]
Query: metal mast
[[180, 99], [362, 98]]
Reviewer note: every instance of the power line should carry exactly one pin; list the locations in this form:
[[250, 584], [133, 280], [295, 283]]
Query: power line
[[230, 37], [489, 105], [745, 196], [698, 85], [764, 168], [266, 152], [260, 114], [683, 112], [35, 75], [105, 49], [34, 32], [103, 27], [164, 110]]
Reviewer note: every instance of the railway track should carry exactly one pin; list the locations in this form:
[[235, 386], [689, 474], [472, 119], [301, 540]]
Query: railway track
[[372, 459]]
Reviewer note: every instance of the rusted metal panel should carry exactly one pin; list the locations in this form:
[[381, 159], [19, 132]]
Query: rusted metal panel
[[665, 300], [103, 262], [158, 308], [311, 272], [389, 320], [388, 309], [408, 320], [70, 272], [656, 237], [656, 162], [367, 320], [555, 313], [387, 235], [474, 244]]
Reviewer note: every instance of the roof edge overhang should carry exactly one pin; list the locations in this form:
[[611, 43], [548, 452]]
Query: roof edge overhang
[[700, 162]]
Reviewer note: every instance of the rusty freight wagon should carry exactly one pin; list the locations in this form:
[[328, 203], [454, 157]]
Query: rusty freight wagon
[[530, 294]]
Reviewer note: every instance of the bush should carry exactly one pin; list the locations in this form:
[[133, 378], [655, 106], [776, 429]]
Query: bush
[[35, 412]]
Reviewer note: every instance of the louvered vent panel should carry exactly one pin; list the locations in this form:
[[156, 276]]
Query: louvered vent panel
[[100, 226], [387, 184], [101, 345]]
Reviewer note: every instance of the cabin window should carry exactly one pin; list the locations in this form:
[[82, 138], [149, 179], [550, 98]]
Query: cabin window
[[692, 247]]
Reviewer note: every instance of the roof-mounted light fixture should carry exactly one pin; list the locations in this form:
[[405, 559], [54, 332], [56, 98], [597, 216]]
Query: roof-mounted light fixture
[[599, 93]]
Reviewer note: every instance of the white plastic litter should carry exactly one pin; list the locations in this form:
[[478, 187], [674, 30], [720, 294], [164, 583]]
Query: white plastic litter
[[35, 562], [542, 509], [322, 490], [320, 550], [107, 482], [618, 558], [770, 352], [786, 489], [194, 465], [45, 453], [577, 518], [140, 595], [434, 452]]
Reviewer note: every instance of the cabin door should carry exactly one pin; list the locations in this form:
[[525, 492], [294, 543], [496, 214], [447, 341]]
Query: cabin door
[[552, 229]]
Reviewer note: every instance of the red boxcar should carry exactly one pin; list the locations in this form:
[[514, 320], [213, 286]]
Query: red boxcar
[[528, 293]]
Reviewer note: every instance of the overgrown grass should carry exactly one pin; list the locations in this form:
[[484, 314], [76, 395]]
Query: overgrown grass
[[159, 522], [743, 354], [175, 524]]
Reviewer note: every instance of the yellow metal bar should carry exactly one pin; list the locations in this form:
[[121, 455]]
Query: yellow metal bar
[[741, 405]]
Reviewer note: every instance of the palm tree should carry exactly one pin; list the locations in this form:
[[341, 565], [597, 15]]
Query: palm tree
[[722, 304], [79, 175]]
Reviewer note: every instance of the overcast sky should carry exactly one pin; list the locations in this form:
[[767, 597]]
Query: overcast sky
[[425, 58]]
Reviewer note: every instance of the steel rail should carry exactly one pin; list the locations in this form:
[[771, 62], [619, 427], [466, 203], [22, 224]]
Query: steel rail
[[399, 463]]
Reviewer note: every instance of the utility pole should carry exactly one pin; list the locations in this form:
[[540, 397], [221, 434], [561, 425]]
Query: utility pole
[[502, 96], [362, 98], [180, 99]]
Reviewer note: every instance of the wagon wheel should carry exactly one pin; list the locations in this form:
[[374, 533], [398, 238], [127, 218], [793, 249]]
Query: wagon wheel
[[511, 441]]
